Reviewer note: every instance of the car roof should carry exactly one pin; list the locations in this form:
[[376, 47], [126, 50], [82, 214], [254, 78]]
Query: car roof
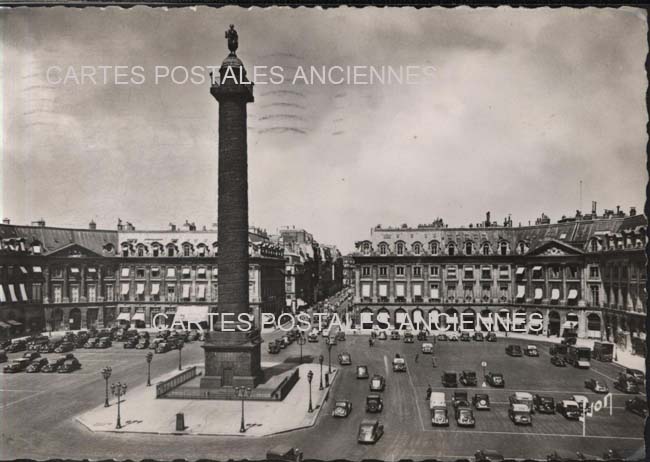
[[520, 407], [373, 396], [580, 398], [369, 421], [523, 394], [567, 402]]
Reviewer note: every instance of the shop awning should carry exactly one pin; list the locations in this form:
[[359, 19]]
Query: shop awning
[[417, 290], [92, 269], [37, 269], [23, 293], [186, 271], [125, 288], [3, 297], [186, 291], [124, 316], [383, 290], [192, 313], [537, 271], [14, 322], [288, 302], [399, 290], [155, 289], [301, 302], [12, 293], [140, 288], [555, 294], [74, 270], [171, 272], [521, 291], [520, 270], [139, 316], [538, 293], [201, 271], [201, 290], [4, 325], [573, 294], [125, 272], [434, 293], [24, 270]]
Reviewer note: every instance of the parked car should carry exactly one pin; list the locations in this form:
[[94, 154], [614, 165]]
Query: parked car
[[520, 414], [313, 337], [487, 455], [626, 384], [91, 342], [362, 372], [522, 397], [464, 337], [637, 406], [273, 347], [514, 351], [143, 343], [481, 402], [422, 336], [583, 402], [64, 347], [408, 337], [495, 379], [17, 365], [377, 383], [531, 350], [399, 365], [345, 359], [453, 337], [478, 336], [35, 343], [427, 348], [155, 342], [340, 336], [284, 453], [569, 409], [442, 337], [49, 347], [465, 416], [459, 399], [370, 431], [544, 404], [36, 365], [32, 355], [438, 409], [69, 365], [468, 379], [374, 403], [382, 335], [342, 408], [560, 455], [104, 342], [637, 375], [394, 335], [53, 366], [449, 379], [558, 361], [130, 343], [491, 337], [597, 386], [163, 347], [16, 346]]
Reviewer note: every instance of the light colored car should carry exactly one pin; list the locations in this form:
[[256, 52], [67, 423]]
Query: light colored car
[[399, 365], [427, 348], [582, 401]]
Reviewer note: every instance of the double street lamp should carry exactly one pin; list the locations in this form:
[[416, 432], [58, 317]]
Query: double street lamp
[[149, 359], [118, 389], [242, 393], [320, 360], [310, 376], [106, 373]]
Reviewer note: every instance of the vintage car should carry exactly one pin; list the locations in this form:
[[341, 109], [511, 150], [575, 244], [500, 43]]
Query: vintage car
[[193, 335], [104, 342], [626, 384], [362, 372], [17, 365], [69, 365], [273, 347], [487, 455], [143, 343], [345, 359], [399, 365], [374, 403], [531, 350], [31, 355], [544, 404], [597, 386], [155, 342], [53, 366], [453, 337], [519, 413], [468, 379], [481, 402], [569, 409], [427, 348], [36, 342], [408, 337], [464, 337], [313, 337], [340, 336], [284, 341], [583, 402], [560, 455], [438, 408], [130, 343], [16, 346], [422, 336], [91, 342], [449, 379], [637, 375], [394, 335], [50, 346], [558, 361], [64, 347], [514, 351], [495, 379], [382, 335], [522, 397], [442, 337], [459, 399], [36, 365], [637, 406], [284, 453], [342, 408], [370, 431], [163, 347], [465, 416], [491, 337], [478, 336], [377, 383]]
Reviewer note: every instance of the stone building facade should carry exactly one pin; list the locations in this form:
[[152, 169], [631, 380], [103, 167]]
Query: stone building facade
[[585, 274]]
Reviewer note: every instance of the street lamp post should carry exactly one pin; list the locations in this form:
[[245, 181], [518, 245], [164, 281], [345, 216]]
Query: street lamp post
[[181, 344], [310, 376], [118, 389], [320, 360], [329, 357], [301, 341], [106, 373], [243, 393], [149, 359]]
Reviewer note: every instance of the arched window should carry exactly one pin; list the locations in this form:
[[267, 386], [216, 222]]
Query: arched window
[[417, 248], [468, 248], [594, 245], [202, 250], [503, 248], [522, 247], [366, 248], [451, 249], [486, 248], [170, 250], [187, 250], [383, 248], [125, 249], [155, 249], [434, 247], [399, 248]]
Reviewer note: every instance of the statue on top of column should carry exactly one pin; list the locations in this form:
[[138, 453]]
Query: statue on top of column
[[233, 39]]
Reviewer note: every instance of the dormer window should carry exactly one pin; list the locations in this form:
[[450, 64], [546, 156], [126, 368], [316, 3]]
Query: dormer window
[[503, 248], [468, 248], [451, 249], [170, 250], [417, 248], [383, 248], [522, 248], [593, 245], [399, 248], [366, 248], [187, 250], [434, 247], [486, 249]]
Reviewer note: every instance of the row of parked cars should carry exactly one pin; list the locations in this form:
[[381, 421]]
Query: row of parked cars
[[32, 361], [422, 336]]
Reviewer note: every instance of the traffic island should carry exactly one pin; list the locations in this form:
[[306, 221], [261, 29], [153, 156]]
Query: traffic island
[[142, 412]]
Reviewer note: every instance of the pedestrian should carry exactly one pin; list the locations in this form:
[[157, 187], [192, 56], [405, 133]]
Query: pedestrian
[[370, 342], [417, 356], [428, 393]]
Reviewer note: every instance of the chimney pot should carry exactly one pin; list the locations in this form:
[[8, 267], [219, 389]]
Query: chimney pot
[[6, 221]]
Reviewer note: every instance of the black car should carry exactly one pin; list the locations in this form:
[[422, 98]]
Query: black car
[[637, 406], [626, 384], [488, 455], [64, 347], [16, 346], [460, 399], [374, 403], [130, 343], [394, 335], [362, 372], [495, 379], [442, 337], [449, 379], [422, 336], [468, 378], [464, 337], [36, 365], [377, 383], [32, 355], [69, 365], [478, 336], [408, 337], [481, 402], [465, 416], [514, 351], [596, 385], [560, 455], [558, 361], [636, 375], [53, 366], [569, 409], [491, 337], [17, 365], [544, 404]]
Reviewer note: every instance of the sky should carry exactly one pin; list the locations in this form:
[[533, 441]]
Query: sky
[[518, 107]]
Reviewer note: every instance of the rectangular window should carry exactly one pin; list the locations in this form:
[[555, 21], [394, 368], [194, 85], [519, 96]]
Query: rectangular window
[[91, 273], [504, 272], [215, 292], [139, 273], [399, 290], [124, 292], [554, 272], [155, 291], [434, 292], [201, 273], [109, 293], [125, 272], [186, 291], [92, 293], [200, 292], [383, 271], [451, 271], [155, 272], [503, 292], [417, 271], [538, 272], [57, 294], [57, 272], [171, 293], [468, 272], [383, 290], [186, 273], [399, 271], [434, 271], [74, 294], [485, 292], [593, 272], [171, 273], [417, 291], [37, 292], [486, 272], [365, 290], [572, 272], [595, 295], [365, 271], [451, 291]]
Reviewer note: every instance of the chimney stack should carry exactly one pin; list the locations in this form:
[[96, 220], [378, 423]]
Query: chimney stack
[[593, 209], [120, 226], [172, 227], [40, 223], [6, 221], [632, 211], [92, 225]]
